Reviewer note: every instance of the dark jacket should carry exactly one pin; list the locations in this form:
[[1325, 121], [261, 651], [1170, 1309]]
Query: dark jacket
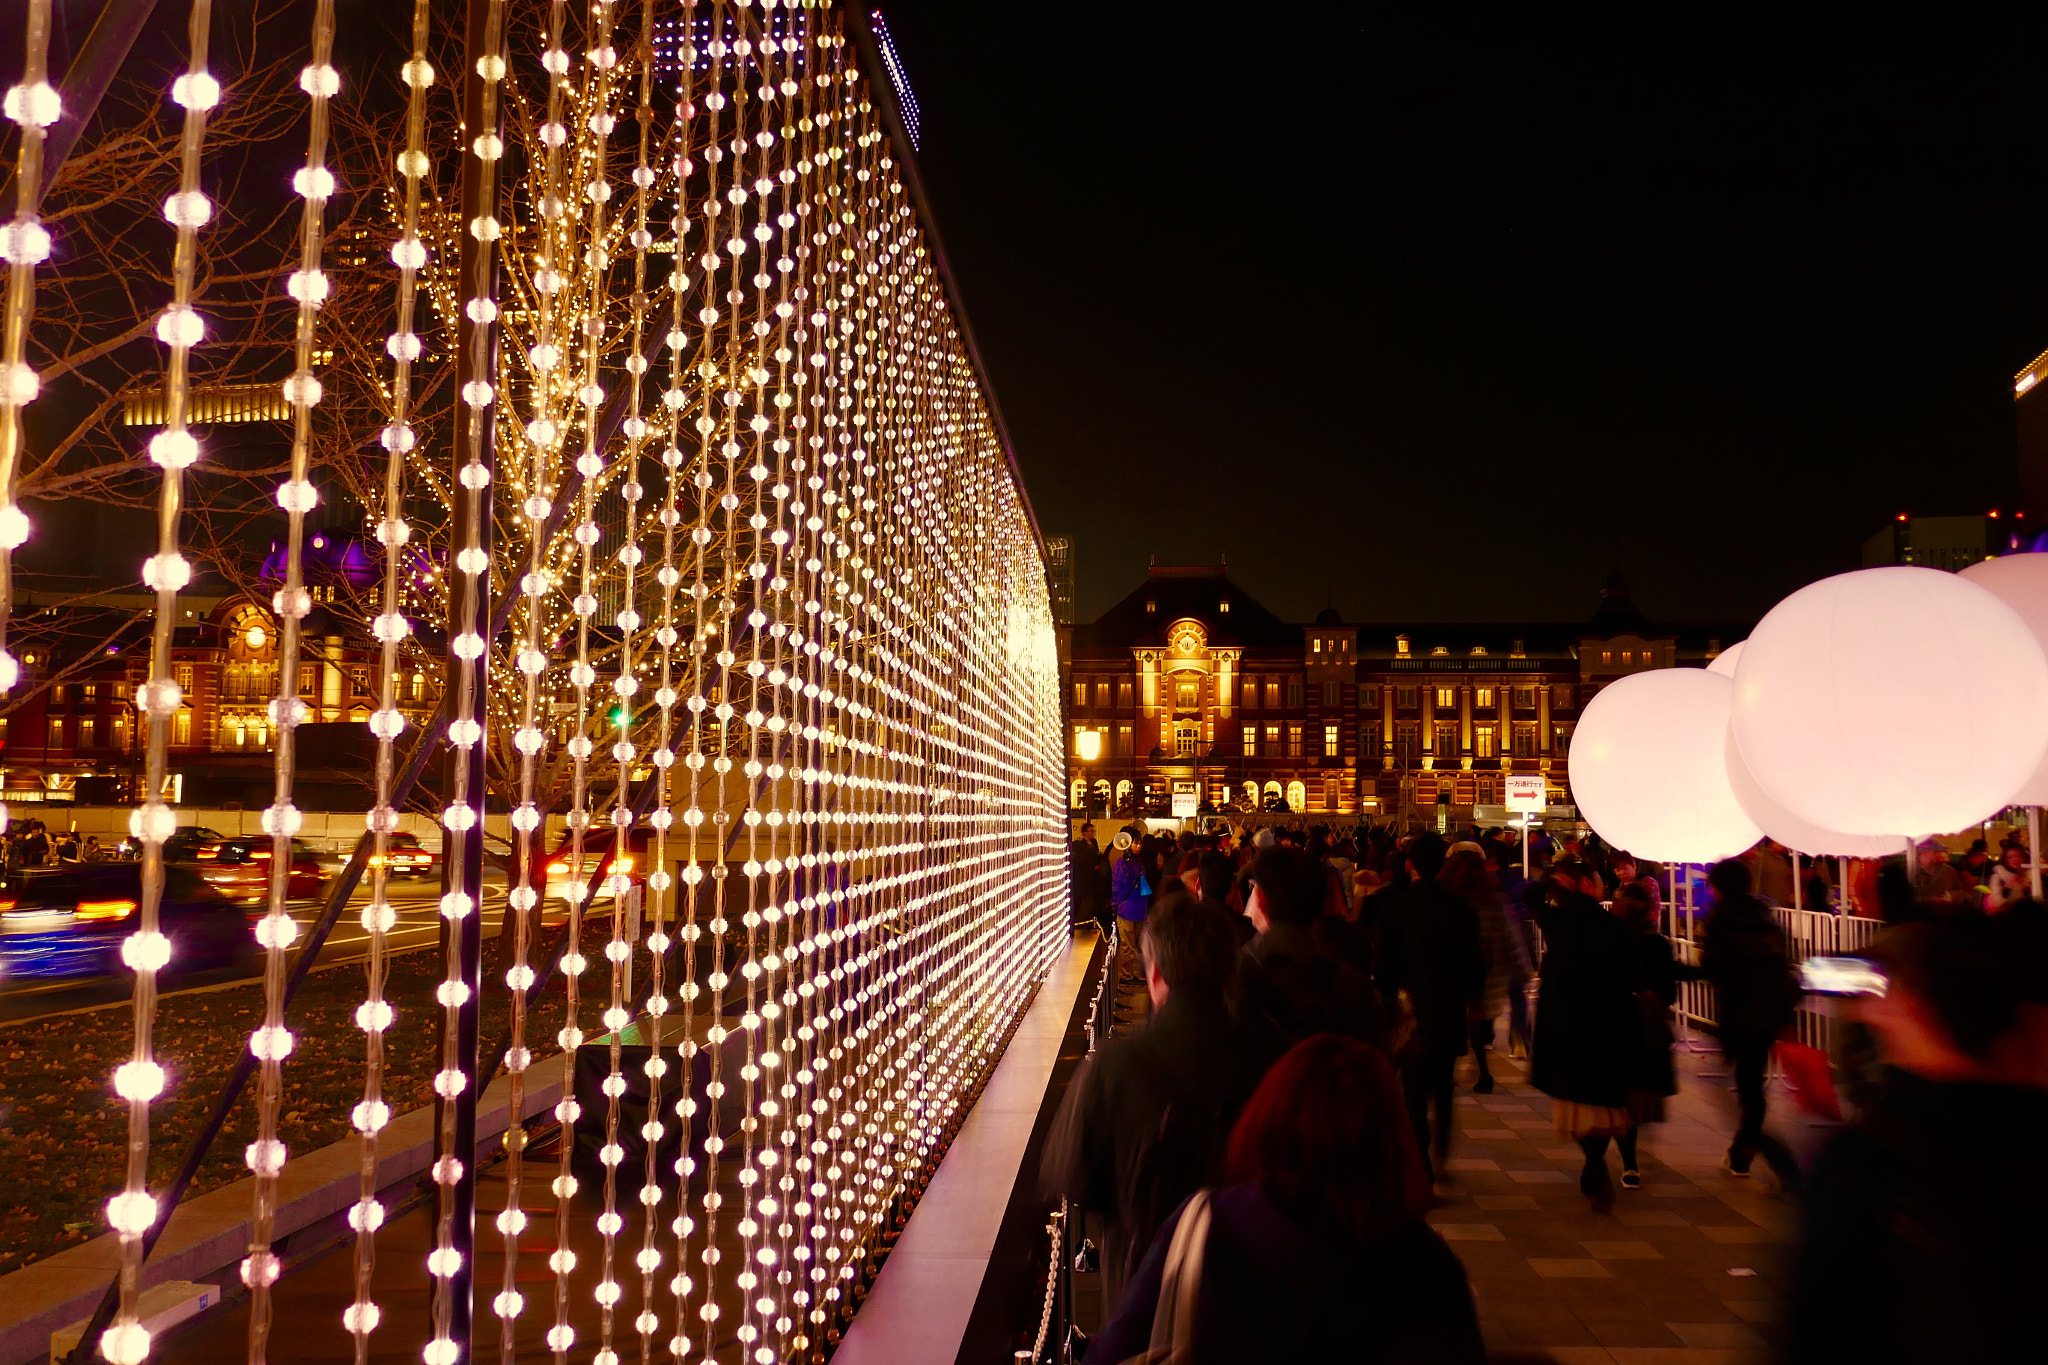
[[1587, 1019], [1924, 1227], [1144, 1121], [1288, 984], [1271, 1291], [1089, 871], [1129, 890], [1656, 975], [1742, 952], [1429, 947]]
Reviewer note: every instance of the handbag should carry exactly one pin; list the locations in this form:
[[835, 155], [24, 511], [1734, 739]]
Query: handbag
[[1180, 1282]]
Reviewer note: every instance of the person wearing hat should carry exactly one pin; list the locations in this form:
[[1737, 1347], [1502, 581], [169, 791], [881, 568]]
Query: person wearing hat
[[1941, 884]]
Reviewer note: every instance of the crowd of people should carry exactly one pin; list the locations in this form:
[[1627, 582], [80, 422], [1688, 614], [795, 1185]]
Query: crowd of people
[[1257, 1145], [30, 844]]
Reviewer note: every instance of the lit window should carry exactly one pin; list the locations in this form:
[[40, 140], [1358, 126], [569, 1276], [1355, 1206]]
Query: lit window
[[1294, 741], [1251, 741], [1332, 745], [1223, 607], [1446, 698], [56, 732], [1482, 697], [85, 735], [1151, 605], [1482, 741], [1080, 694], [1251, 696], [1319, 646], [181, 727], [1273, 739], [1123, 740], [1102, 694], [1606, 656]]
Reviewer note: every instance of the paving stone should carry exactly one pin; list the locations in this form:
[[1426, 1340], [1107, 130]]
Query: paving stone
[[1491, 1133], [1539, 1177], [1469, 1232], [1650, 1218], [1742, 1235], [1633, 1332], [1505, 1202], [1719, 1335], [1471, 1163], [1568, 1268], [1622, 1251]]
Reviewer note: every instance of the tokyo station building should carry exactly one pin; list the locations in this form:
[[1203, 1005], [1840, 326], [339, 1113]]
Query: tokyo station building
[[1189, 680]]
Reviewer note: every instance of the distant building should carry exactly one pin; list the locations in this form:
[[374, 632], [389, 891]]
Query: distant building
[[1949, 543], [2030, 419], [1059, 555], [1189, 680]]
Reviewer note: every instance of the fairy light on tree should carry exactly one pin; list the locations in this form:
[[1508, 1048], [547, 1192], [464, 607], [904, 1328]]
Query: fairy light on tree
[[272, 1042], [808, 606]]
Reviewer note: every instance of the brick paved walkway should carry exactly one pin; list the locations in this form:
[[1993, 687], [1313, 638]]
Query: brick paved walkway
[[1692, 1269]]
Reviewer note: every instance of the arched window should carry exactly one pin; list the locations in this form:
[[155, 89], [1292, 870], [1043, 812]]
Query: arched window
[[1123, 795], [1077, 795], [1297, 797], [1251, 794]]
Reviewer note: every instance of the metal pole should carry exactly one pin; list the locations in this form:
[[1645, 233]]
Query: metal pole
[[2034, 851], [1842, 891], [1798, 892]]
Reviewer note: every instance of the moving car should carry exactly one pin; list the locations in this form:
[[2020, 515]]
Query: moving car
[[240, 869], [408, 858], [71, 921], [622, 873]]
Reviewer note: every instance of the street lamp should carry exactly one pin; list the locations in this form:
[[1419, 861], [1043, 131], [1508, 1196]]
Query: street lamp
[[1088, 744]]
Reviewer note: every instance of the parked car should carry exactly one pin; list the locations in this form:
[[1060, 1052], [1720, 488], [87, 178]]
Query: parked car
[[71, 921], [240, 869], [407, 857]]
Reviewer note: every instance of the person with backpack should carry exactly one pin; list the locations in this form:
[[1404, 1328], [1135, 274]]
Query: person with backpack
[[1756, 992], [1312, 1245], [1144, 1120]]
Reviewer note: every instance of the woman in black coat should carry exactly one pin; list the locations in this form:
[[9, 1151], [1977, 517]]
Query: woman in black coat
[[1587, 1020]]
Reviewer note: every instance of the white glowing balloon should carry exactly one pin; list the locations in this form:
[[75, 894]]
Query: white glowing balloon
[[1791, 831], [1724, 662], [2021, 582], [1895, 701], [1649, 768]]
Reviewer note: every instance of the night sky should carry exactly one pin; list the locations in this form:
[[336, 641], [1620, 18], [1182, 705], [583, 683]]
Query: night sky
[[1432, 311]]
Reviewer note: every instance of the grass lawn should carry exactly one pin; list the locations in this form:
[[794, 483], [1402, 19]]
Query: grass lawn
[[64, 1134]]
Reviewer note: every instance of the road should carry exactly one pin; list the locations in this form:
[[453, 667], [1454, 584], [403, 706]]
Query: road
[[419, 926]]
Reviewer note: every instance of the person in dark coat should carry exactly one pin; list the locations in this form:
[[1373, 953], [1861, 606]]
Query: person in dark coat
[[1586, 1020], [1089, 873], [1656, 974], [1144, 1121], [1316, 1249], [1743, 953], [1284, 979], [1429, 952], [1923, 1237]]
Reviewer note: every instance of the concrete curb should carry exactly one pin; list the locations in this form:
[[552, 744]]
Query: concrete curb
[[208, 1236]]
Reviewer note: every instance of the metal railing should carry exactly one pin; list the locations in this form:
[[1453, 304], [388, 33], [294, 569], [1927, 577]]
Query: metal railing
[[1057, 1342], [1808, 933]]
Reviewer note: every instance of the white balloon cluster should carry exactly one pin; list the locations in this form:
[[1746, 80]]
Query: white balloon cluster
[[1866, 709]]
